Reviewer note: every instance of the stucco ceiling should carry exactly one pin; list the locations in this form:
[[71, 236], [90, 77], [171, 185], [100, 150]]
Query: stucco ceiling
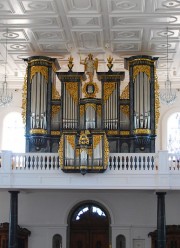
[[58, 28]]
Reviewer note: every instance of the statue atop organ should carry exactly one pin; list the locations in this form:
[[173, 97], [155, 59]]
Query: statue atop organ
[[89, 115]]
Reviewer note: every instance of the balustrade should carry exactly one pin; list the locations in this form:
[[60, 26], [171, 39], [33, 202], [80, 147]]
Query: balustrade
[[161, 161]]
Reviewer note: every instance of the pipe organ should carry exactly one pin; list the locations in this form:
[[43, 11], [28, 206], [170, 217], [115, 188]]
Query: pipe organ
[[89, 116]]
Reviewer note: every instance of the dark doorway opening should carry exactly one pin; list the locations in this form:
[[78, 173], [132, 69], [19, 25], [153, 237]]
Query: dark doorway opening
[[89, 227]]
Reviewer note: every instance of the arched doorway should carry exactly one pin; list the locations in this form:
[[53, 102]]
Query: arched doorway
[[89, 226]]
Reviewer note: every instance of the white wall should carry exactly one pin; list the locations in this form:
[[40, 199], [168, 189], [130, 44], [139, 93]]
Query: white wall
[[132, 213], [14, 106]]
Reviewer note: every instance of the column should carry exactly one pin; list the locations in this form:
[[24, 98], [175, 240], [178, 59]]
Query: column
[[13, 219], [161, 220]]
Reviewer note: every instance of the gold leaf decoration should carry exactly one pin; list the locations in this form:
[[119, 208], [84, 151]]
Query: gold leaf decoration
[[72, 88], [96, 140], [55, 93], [108, 90], [38, 131], [24, 99], [71, 140], [106, 151], [55, 110], [141, 68], [90, 95], [157, 101], [125, 109], [41, 69], [99, 109], [82, 110], [60, 151], [125, 93], [83, 139]]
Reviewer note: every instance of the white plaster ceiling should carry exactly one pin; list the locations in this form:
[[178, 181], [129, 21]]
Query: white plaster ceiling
[[58, 28]]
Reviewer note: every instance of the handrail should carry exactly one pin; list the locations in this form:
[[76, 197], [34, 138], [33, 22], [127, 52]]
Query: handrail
[[161, 161]]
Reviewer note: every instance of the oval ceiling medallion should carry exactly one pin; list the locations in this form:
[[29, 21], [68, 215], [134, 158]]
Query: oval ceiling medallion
[[170, 4], [125, 5], [162, 45], [48, 35], [125, 46], [11, 35], [165, 33], [18, 46], [126, 34], [37, 6]]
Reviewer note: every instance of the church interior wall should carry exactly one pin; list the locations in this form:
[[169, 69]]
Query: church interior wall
[[132, 213]]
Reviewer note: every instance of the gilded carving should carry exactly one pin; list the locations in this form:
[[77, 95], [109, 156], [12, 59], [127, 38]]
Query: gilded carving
[[99, 109], [125, 109], [108, 90], [157, 102], [96, 140], [70, 63], [41, 69], [38, 131], [90, 105], [60, 151], [142, 131], [82, 109], [71, 140], [110, 62], [141, 68], [55, 110], [83, 139], [112, 132], [24, 99], [72, 88], [125, 93], [124, 132], [94, 92], [106, 151], [55, 132], [77, 152], [55, 93]]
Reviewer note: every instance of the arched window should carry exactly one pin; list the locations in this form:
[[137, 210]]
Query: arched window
[[57, 241], [13, 133], [120, 241], [173, 133]]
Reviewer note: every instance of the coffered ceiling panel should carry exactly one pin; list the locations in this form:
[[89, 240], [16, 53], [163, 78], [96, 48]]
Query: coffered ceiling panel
[[85, 22], [120, 28], [124, 34], [32, 7], [79, 6], [6, 7], [131, 6], [88, 40]]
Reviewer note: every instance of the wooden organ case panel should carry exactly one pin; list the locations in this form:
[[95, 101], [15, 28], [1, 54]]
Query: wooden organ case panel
[[172, 237], [22, 234]]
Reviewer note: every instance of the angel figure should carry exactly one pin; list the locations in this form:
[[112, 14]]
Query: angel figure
[[90, 65]]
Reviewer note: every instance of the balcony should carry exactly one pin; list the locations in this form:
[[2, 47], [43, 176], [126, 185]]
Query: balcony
[[153, 171]]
